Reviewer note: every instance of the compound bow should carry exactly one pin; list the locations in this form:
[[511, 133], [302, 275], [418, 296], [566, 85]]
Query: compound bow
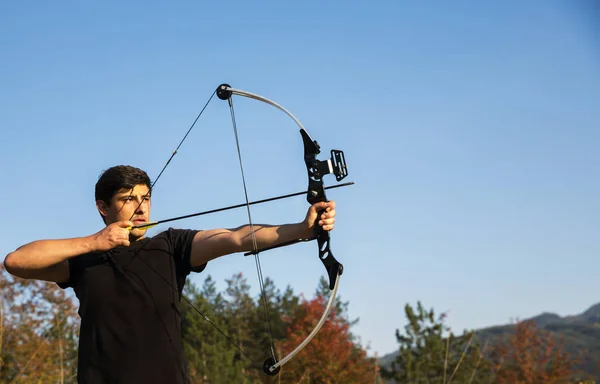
[[316, 170]]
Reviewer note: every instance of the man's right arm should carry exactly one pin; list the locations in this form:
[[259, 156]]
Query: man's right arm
[[49, 259]]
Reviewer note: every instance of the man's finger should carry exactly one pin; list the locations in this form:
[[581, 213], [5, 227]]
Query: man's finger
[[322, 205]]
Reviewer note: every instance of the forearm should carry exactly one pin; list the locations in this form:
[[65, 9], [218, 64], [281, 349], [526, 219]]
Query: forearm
[[43, 254], [271, 235]]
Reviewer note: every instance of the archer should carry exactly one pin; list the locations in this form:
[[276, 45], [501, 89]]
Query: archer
[[129, 285]]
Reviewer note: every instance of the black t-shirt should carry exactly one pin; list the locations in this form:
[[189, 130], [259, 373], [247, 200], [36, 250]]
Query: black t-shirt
[[128, 303]]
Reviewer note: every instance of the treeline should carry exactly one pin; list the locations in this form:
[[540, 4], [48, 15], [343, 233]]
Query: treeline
[[429, 352], [333, 356], [226, 335], [227, 338]]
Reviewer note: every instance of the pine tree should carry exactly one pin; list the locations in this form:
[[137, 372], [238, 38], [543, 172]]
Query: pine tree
[[427, 356], [242, 316], [269, 326], [210, 357]]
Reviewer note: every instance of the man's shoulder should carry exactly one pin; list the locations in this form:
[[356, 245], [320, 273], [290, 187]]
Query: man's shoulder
[[177, 239], [172, 234], [181, 242]]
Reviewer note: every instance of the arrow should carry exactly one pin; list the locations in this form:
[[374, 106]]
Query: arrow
[[155, 223]]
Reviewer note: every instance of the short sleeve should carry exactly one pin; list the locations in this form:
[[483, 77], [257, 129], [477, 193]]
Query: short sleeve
[[78, 264], [73, 270], [181, 242]]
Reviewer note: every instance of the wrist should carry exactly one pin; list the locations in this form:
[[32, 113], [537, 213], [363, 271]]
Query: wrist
[[304, 230], [90, 243]]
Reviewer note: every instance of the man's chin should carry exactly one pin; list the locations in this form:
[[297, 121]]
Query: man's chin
[[137, 234]]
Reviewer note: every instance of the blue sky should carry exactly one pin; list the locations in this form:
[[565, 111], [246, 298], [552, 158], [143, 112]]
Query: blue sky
[[471, 131]]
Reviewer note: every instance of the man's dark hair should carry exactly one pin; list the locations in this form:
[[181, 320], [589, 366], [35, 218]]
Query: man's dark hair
[[117, 178]]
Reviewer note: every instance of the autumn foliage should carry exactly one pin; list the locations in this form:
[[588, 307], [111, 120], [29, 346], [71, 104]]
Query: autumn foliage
[[430, 353], [531, 355], [38, 332], [331, 357], [39, 329]]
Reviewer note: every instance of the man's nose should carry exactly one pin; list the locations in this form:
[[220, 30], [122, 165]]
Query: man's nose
[[142, 207]]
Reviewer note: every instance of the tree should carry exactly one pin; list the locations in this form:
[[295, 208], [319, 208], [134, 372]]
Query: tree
[[426, 356], [532, 355], [39, 329], [210, 357], [331, 356]]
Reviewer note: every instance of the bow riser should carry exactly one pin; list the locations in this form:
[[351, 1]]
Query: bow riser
[[316, 193]]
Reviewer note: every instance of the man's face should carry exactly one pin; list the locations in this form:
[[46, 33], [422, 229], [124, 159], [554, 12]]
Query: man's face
[[126, 205]]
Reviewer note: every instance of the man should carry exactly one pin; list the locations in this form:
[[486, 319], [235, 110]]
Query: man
[[129, 285]]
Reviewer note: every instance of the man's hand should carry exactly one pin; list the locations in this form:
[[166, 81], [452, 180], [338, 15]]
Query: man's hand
[[322, 214], [112, 236]]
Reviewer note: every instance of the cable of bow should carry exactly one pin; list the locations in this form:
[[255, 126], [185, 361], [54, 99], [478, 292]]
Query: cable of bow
[[253, 234]]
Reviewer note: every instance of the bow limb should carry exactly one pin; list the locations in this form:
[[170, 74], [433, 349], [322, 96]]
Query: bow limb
[[272, 368], [224, 92]]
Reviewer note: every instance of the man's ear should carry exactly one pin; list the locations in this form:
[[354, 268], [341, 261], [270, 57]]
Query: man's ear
[[102, 208]]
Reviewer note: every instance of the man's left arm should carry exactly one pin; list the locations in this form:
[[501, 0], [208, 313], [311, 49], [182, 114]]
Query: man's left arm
[[211, 244]]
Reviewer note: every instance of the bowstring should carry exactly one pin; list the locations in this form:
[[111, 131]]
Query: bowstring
[[172, 155], [253, 235]]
